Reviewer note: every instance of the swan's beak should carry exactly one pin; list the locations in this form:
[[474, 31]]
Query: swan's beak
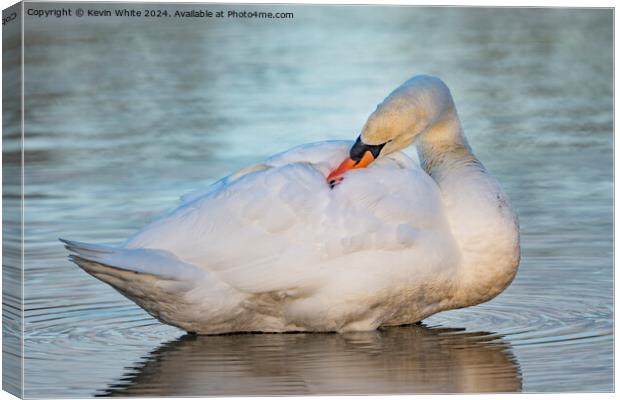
[[335, 177], [361, 154]]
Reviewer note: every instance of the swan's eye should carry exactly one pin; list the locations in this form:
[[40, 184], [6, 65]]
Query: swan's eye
[[360, 148]]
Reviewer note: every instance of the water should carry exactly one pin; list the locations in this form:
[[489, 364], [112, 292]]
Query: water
[[125, 115]]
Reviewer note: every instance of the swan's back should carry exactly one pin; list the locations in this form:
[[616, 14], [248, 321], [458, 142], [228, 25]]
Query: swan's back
[[280, 227]]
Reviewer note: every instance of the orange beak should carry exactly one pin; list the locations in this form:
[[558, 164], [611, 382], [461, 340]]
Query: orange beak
[[335, 177]]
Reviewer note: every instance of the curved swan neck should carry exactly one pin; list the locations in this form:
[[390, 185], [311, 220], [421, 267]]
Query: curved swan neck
[[443, 144], [478, 212]]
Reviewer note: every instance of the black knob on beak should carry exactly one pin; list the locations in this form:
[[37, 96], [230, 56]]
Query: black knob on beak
[[360, 148]]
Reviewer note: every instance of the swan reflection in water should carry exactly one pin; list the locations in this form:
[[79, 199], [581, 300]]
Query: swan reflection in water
[[405, 359]]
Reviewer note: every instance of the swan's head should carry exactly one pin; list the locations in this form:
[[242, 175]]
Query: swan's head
[[398, 121]]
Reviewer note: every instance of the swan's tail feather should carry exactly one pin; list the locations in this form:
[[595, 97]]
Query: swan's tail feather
[[155, 279], [158, 263]]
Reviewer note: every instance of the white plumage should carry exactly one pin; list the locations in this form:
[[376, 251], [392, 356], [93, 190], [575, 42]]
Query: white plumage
[[274, 248]]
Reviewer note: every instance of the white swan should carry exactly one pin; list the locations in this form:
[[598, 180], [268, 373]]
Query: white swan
[[275, 248]]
